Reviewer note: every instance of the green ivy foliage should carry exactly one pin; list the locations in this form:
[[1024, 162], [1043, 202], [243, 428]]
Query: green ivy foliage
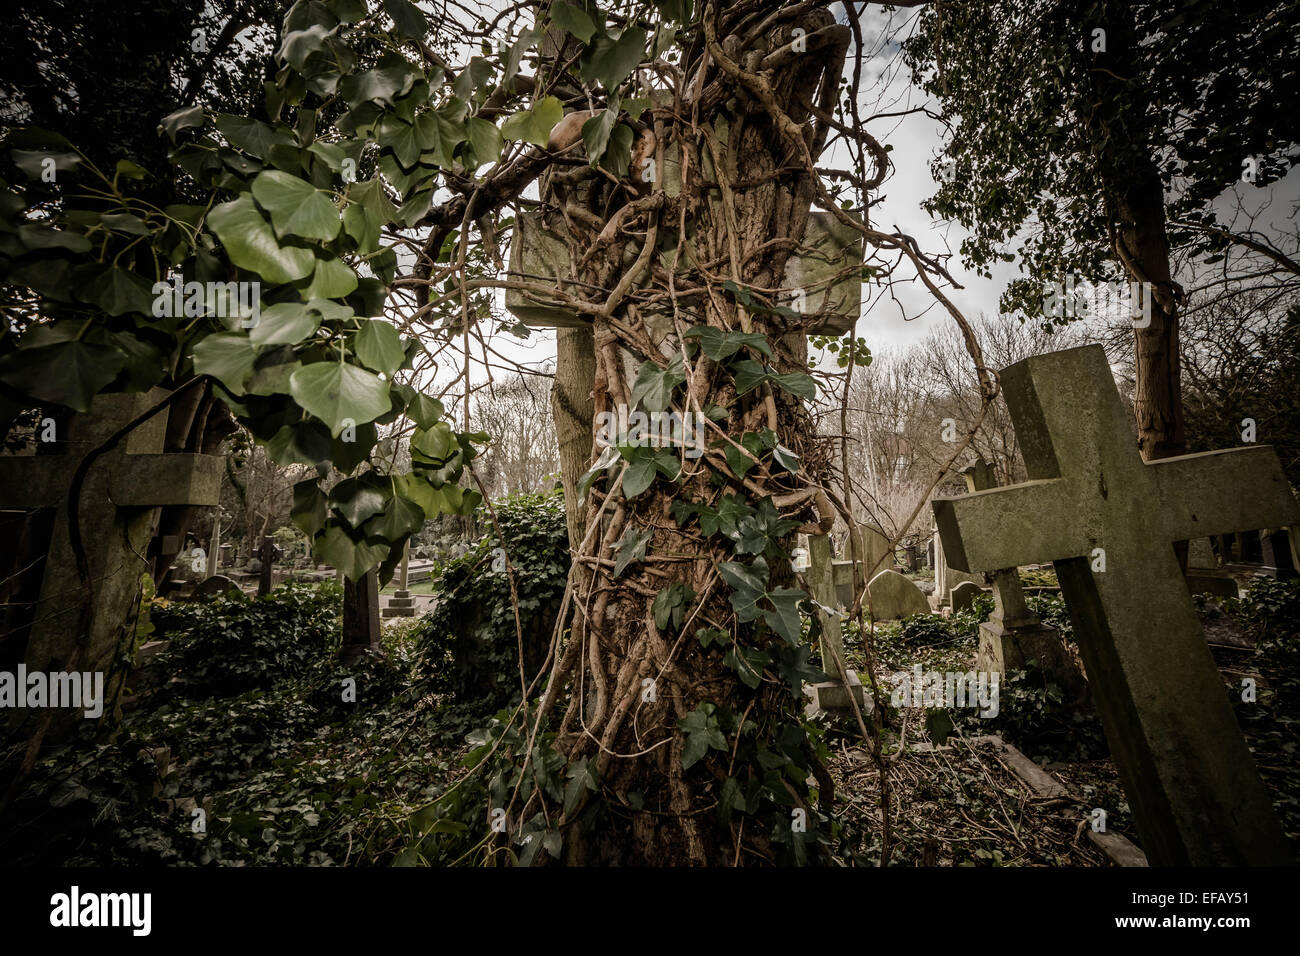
[[237, 643], [468, 643]]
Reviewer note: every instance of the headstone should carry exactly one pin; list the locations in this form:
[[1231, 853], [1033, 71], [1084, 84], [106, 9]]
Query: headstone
[[214, 586], [227, 555], [838, 693], [360, 615], [1013, 636], [946, 577], [117, 513], [1277, 559], [1108, 522], [963, 596], [266, 558], [869, 548], [214, 545], [894, 596]]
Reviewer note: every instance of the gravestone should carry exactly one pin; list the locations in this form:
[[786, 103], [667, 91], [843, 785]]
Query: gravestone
[[963, 596], [870, 549], [360, 615], [215, 586], [1108, 522], [894, 596], [117, 516], [214, 546], [1276, 548], [1013, 636], [833, 694], [946, 577], [227, 555], [1203, 574], [266, 558], [401, 604]]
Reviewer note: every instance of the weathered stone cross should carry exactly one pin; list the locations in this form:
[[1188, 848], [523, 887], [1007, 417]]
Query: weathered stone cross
[[1108, 522], [118, 497]]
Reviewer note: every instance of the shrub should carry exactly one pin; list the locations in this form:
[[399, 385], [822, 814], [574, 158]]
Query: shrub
[[468, 644], [236, 643]]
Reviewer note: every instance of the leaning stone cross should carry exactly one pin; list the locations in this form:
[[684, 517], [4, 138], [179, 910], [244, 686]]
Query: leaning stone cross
[[118, 497], [1108, 521]]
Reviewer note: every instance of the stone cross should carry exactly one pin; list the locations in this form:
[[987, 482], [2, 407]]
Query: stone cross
[[401, 604], [1108, 521], [866, 556], [117, 516], [214, 545], [1013, 635], [832, 695], [360, 615]]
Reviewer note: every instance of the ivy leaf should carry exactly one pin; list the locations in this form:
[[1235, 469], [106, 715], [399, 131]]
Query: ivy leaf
[[379, 346], [748, 665], [785, 619], [333, 279], [297, 207], [796, 383], [631, 547], [337, 392], [581, 777], [284, 323], [435, 443], [400, 518], [670, 605], [795, 668], [534, 125], [639, 476], [251, 244], [407, 18], [186, 118], [654, 386], [358, 499], [424, 410], [250, 135], [718, 345], [228, 357], [749, 375], [353, 558], [302, 443], [618, 152], [786, 458], [938, 724], [607, 458], [65, 373], [702, 734], [573, 19], [595, 133], [118, 292], [484, 141], [609, 61], [731, 799], [309, 510]]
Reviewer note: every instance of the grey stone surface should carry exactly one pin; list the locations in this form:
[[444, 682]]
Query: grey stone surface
[[1189, 777], [122, 489], [894, 596], [963, 595]]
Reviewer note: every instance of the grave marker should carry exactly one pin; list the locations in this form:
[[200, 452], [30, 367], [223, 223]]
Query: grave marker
[[1013, 635], [1189, 777]]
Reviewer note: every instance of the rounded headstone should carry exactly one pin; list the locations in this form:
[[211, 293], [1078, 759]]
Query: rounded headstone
[[894, 596], [964, 595]]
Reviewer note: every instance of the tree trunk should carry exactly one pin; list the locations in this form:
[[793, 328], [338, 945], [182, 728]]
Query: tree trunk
[[574, 411], [640, 685]]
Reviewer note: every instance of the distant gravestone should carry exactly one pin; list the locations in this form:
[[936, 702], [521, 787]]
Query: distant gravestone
[[214, 586], [1013, 637], [868, 546], [963, 595], [945, 577], [832, 694], [401, 604], [266, 557], [894, 596], [1108, 522]]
